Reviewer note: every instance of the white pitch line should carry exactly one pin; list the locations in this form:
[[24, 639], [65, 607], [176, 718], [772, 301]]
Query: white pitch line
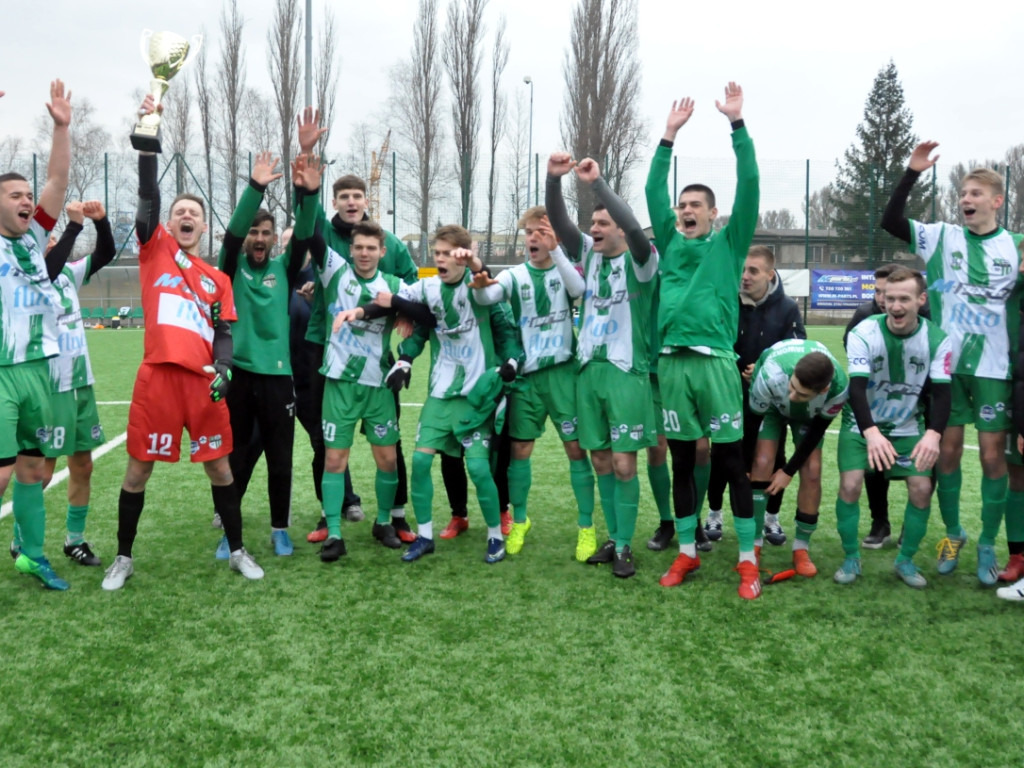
[[61, 476], [114, 402]]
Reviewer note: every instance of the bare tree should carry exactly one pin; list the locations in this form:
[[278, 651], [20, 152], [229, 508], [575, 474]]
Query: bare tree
[[10, 148], [283, 44], [820, 209], [230, 89], [781, 219], [325, 75], [204, 101], [89, 142], [177, 127], [1015, 176], [499, 109], [416, 92], [462, 54], [602, 92]]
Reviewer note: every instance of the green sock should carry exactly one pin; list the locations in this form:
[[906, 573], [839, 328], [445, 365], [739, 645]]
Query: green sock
[[479, 471], [847, 522], [948, 494], [804, 527], [519, 480], [701, 480], [686, 529], [993, 507], [76, 523], [915, 525], [30, 514], [745, 532], [386, 485], [627, 500], [760, 505], [1015, 516], [606, 489], [661, 487], [421, 489], [581, 477], [333, 486]]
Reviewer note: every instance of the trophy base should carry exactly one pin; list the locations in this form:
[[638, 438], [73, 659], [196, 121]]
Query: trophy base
[[146, 138]]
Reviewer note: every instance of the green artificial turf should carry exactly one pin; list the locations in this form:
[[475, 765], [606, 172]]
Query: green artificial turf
[[536, 661]]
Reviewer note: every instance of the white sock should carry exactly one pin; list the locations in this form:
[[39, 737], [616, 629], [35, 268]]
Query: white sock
[[748, 557], [759, 542], [398, 512], [495, 533], [426, 530], [797, 544], [715, 516], [690, 550], [770, 519]]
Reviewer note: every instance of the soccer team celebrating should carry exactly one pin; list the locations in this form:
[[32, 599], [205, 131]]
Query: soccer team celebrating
[[685, 347]]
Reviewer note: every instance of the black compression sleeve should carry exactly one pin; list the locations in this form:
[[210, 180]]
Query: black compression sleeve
[[105, 249], [223, 346], [815, 431], [859, 402], [558, 214], [59, 254], [415, 311], [147, 217], [894, 219], [942, 403]]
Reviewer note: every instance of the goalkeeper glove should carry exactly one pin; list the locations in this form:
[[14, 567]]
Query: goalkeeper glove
[[400, 374], [221, 379]]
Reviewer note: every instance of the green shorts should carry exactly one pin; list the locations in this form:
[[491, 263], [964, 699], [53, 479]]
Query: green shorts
[[26, 416], [445, 426], [986, 402], [656, 397], [346, 403], [853, 455], [701, 395], [773, 426], [550, 392], [76, 423], [616, 410]]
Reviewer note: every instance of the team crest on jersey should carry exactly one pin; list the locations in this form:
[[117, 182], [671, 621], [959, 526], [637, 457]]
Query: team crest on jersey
[[917, 364], [877, 364], [215, 442], [957, 260], [461, 302], [1001, 266], [527, 292], [182, 260], [208, 285], [555, 284], [193, 447], [351, 288], [270, 281], [96, 432]]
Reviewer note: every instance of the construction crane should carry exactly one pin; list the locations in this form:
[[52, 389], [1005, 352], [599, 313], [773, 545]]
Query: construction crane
[[373, 187]]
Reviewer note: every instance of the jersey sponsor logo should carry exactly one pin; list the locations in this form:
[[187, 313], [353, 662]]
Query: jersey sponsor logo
[[465, 327], [180, 312], [568, 427], [208, 285], [900, 389], [600, 326], [68, 343], [859, 362], [987, 412], [890, 412], [11, 270], [547, 342], [29, 297], [351, 343], [247, 276], [270, 281], [599, 302], [551, 319], [973, 316], [166, 280], [977, 291], [69, 318]]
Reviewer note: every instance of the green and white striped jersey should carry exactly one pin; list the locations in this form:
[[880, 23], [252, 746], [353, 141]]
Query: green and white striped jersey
[[28, 322], [770, 383], [970, 280], [542, 309], [359, 351], [616, 317], [71, 369], [462, 345], [896, 368]]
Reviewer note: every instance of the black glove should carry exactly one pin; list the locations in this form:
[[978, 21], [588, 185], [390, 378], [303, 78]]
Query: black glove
[[400, 374], [221, 379], [508, 370]]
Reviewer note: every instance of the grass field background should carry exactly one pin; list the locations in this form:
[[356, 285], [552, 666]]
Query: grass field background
[[537, 661]]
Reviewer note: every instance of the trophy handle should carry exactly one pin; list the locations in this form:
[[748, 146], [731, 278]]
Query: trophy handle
[[144, 45], [193, 48]]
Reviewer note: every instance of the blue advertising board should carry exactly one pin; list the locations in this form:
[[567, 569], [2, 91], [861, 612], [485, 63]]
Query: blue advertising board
[[841, 288]]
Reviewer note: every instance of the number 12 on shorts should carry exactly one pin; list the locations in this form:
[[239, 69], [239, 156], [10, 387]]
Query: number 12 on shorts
[[160, 443]]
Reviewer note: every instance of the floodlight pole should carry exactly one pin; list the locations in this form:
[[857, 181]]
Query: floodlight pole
[[529, 81]]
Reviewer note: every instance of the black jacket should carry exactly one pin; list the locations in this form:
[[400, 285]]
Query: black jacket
[[774, 318]]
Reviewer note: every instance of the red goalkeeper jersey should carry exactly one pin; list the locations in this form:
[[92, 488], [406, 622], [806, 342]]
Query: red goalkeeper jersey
[[178, 292]]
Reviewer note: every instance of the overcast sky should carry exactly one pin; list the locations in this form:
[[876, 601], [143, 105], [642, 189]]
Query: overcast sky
[[806, 67]]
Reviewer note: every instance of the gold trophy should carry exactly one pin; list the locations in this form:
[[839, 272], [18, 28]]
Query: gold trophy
[[165, 53]]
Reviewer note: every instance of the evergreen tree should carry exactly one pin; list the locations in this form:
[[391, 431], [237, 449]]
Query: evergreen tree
[[870, 170]]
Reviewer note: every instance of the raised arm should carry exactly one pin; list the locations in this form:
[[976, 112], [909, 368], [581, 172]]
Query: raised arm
[[105, 249], [559, 164], [241, 219], [659, 204], [894, 218], [51, 199], [743, 221], [639, 246], [147, 216], [58, 256], [571, 278]]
